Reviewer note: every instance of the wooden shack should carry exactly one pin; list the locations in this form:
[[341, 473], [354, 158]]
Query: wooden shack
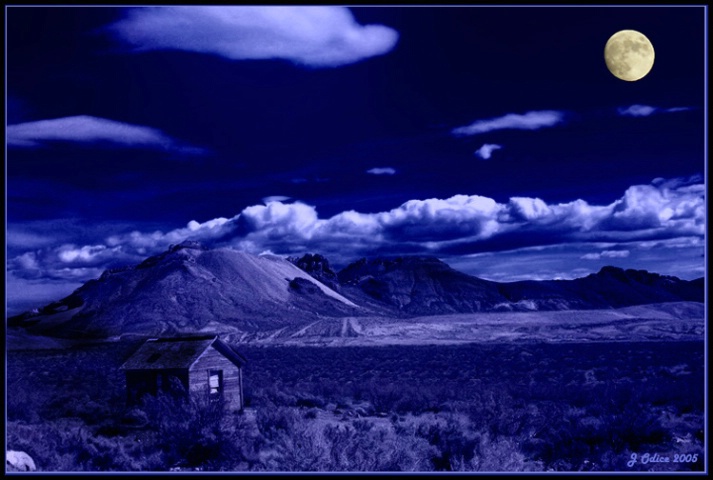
[[198, 365]]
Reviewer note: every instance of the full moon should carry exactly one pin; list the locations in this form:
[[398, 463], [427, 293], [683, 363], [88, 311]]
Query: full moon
[[629, 55]]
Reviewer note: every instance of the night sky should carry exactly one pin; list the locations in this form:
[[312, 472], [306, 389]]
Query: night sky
[[493, 138]]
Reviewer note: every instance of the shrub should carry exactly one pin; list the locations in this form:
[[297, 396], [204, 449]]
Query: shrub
[[193, 432], [453, 442], [101, 453], [495, 455], [290, 442], [48, 444], [22, 403]]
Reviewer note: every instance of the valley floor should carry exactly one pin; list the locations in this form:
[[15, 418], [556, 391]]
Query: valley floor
[[680, 321], [474, 407]]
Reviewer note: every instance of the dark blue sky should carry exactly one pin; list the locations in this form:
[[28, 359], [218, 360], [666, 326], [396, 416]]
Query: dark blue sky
[[494, 138]]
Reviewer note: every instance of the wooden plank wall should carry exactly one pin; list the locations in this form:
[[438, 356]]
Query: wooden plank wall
[[142, 382], [232, 377]]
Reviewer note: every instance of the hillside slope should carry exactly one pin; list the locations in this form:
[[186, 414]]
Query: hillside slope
[[191, 289]]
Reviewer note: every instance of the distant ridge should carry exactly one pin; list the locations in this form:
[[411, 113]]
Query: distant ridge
[[427, 286], [189, 288]]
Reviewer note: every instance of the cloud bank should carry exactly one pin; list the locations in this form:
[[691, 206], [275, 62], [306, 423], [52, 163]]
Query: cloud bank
[[312, 36], [665, 212], [86, 129], [533, 120]]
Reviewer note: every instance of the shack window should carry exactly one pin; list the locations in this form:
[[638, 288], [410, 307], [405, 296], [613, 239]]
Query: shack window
[[215, 381]]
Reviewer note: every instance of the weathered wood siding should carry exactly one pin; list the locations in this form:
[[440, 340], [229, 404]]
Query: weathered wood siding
[[211, 359], [149, 382]]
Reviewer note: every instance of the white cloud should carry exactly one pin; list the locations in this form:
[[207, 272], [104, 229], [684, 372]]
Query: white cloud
[[278, 219], [650, 208], [209, 232], [18, 238], [565, 260], [381, 171], [615, 253], [678, 109], [314, 36], [458, 216], [533, 120], [646, 110], [438, 224], [644, 211], [637, 110], [92, 130], [563, 218], [606, 254], [486, 151], [87, 253], [275, 198], [24, 294], [677, 183], [28, 261], [214, 224], [528, 209], [354, 225]]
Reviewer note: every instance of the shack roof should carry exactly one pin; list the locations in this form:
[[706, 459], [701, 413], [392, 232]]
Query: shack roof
[[178, 353]]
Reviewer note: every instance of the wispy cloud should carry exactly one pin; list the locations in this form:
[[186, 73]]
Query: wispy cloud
[[486, 151], [314, 36], [86, 129], [275, 198], [24, 294], [680, 256], [606, 254], [678, 109], [381, 171], [533, 120], [647, 110], [637, 111]]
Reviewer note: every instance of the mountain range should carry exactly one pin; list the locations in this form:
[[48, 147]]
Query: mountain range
[[189, 288]]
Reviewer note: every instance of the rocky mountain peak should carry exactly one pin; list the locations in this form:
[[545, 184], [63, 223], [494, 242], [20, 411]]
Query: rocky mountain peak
[[318, 267], [631, 275]]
